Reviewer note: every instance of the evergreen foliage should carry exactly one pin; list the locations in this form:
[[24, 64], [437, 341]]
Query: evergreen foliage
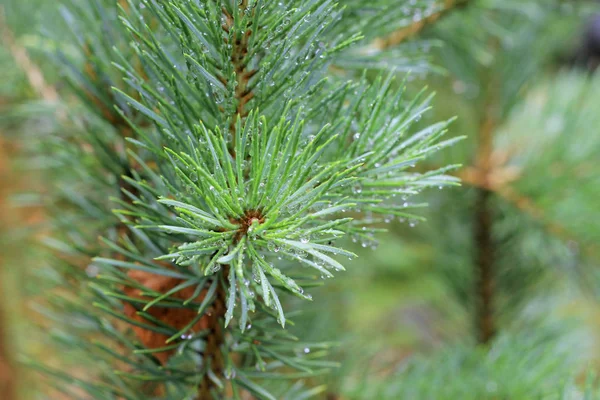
[[212, 161], [232, 158]]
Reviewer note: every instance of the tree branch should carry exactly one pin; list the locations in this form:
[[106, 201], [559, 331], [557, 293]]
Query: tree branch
[[213, 353], [402, 34], [498, 181], [484, 262], [483, 224]]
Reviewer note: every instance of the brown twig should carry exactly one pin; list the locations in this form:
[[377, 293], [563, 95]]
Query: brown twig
[[469, 176], [484, 263], [213, 354], [483, 221], [242, 75], [403, 34], [498, 181]]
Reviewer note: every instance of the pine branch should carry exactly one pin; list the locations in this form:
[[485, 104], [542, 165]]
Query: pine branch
[[527, 205], [503, 372], [498, 183], [213, 357], [506, 177], [239, 164], [405, 33]]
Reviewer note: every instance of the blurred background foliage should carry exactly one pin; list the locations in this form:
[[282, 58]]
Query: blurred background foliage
[[414, 315]]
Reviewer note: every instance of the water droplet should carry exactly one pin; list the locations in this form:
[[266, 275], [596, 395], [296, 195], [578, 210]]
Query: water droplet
[[230, 374], [92, 271]]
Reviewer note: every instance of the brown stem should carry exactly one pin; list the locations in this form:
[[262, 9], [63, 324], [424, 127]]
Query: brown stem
[[213, 356], [401, 35], [242, 74], [484, 266], [482, 230]]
